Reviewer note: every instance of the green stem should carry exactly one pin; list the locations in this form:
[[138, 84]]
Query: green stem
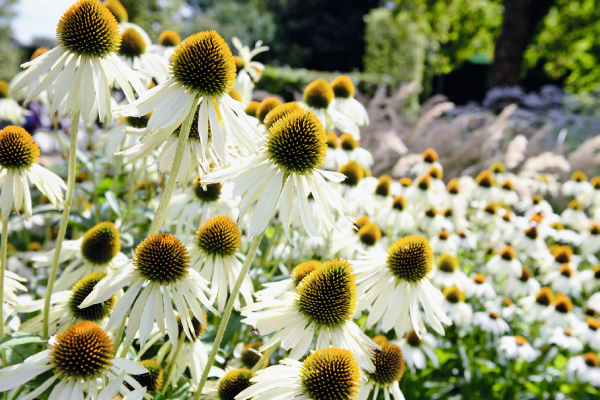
[[171, 368], [93, 176], [119, 334], [115, 182], [64, 222], [2, 273], [166, 197], [264, 357], [130, 193], [232, 297], [17, 392]]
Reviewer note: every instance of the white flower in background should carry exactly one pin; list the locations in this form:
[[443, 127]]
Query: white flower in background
[[417, 350], [579, 188], [574, 216], [21, 95], [98, 250], [590, 238], [459, 312], [421, 195], [65, 310], [517, 347], [328, 373], [542, 184], [590, 278], [167, 42], [507, 193], [248, 71], [79, 359], [389, 370], [213, 255], [395, 283], [18, 165], [324, 302], [586, 368], [448, 273], [565, 339], [10, 110], [429, 159], [81, 70], [485, 191], [318, 96], [162, 262], [490, 321], [560, 313], [589, 333], [287, 167], [134, 51], [344, 101], [524, 285], [348, 149], [505, 263], [444, 242], [564, 280], [203, 71], [481, 288], [396, 218]]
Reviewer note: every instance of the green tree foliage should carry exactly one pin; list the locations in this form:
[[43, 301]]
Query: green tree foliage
[[9, 55], [568, 44], [154, 16]]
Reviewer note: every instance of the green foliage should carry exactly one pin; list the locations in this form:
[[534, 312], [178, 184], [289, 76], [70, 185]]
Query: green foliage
[[568, 44], [154, 16], [9, 66]]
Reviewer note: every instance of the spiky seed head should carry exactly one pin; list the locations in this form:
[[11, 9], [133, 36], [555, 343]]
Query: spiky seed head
[[35, 246], [301, 271], [199, 328], [250, 355], [4, 89], [219, 236], [576, 205], [209, 194], [117, 9], [383, 185], [453, 294], [380, 339], [101, 243], [139, 122], [479, 279], [389, 365], [435, 173], [453, 186], [279, 112], [593, 324], [38, 52], [343, 87], [413, 339], [169, 39], [132, 43], [252, 108], [348, 142], [485, 179], [562, 254], [353, 171], [430, 156], [82, 351], [17, 148], [498, 167], [579, 176], [162, 259], [521, 340], [297, 143], [203, 63], [89, 29], [362, 220], [332, 140], [591, 360], [330, 374], [399, 203], [423, 182], [507, 302], [507, 185], [447, 262], [318, 94], [596, 270], [234, 382], [266, 106], [536, 199], [595, 182], [194, 133], [508, 253], [328, 295], [565, 270], [562, 304], [410, 258], [81, 290], [595, 229], [151, 380], [234, 94], [531, 232], [369, 234], [405, 182], [545, 296]]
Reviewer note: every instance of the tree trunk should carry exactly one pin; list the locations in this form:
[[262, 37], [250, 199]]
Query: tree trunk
[[521, 18]]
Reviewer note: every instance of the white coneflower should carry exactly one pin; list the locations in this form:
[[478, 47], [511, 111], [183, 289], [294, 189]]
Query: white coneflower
[[490, 321], [18, 165], [579, 188], [21, 95], [574, 215], [560, 234], [534, 205], [247, 355], [135, 44], [505, 263], [559, 256], [481, 287], [276, 289], [82, 356], [203, 71], [395, 283], [430, 159], [196, 205], [287, 167], [530, 242], [65, 309], [162, 262], [565, 279], [522, 286], [81, 70], [459, 312], [98, 250], [349, 149], [517, 346], [248, 71], [586, 368], [417, 350], [213, 255], [454, 198], [318, 96], [565, 339], [590, 239], [166, 44], [538, 305], [590, 278], [560, 313], [448, 273], [421, 194], [485, 191], [444, 242], [355, 188], [507, 193], [344, 101], [324, 302], [389, 369], [396, 218], [589, 332], [10, 110], [330, 373]]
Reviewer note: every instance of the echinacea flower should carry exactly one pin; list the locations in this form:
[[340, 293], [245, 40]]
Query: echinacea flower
[[586, 368], [213, 255], [517, 347], [490, 322], [579, 188], [505, 263], [153, 379], [448, 273], [565, 339], [324, 302], [417, 350], [248, 71], [82, 356], [327, 373], [275, 289], [98, 250], [134, 50], [287, 167], [344, 101], [18, 165], [459, 312], [395, 283], [389, 369], [81, 70], [10, 110], [429, 159], [203, 71], [162, 263]]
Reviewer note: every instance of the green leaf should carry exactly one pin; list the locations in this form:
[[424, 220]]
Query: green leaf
[[113, 201], [11, 341]]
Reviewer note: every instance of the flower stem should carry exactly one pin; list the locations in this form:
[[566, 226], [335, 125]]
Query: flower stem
[[2, 273], [166, 197], [171, 368], [93, 176], [64, 222], [265, 356], [232, 297]]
